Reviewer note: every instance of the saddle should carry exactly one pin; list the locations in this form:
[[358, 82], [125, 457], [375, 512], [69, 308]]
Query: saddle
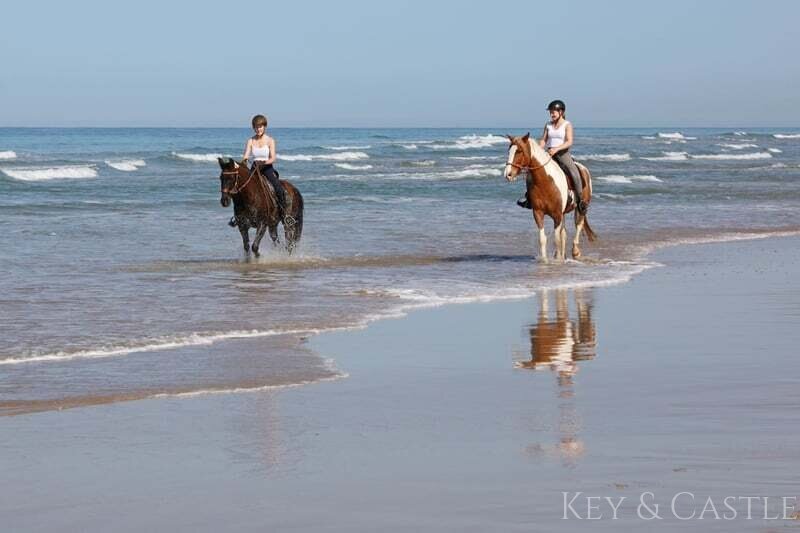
[[288, 220], [584, 172]]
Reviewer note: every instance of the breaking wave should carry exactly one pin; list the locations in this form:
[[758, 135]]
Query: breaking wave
[[628, 179], [669, 156], [605, 157], [787, 135], [756, 155], [127, 165], [200, 158], [348, 166], [741, 146], [468, 142], [365, 147], [341, 156], [50, 173], [8, 154], [675, 136]]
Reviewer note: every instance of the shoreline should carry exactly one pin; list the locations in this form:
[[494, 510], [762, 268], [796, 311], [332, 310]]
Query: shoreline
[[438, 427], [639, 252]]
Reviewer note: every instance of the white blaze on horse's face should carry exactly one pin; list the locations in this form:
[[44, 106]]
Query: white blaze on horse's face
[[512, 151]]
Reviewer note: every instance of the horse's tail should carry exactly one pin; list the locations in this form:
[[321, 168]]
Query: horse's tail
[[299, 216], [587, 197], [588, 229], [294, 230]]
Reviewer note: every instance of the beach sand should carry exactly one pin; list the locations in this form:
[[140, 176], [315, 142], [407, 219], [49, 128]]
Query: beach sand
[[465, 418]]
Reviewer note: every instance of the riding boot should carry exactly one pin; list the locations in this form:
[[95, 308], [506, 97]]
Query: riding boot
[[523, 202]]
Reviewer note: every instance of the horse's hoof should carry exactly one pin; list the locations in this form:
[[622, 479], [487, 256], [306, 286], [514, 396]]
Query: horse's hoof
[[576, 254]]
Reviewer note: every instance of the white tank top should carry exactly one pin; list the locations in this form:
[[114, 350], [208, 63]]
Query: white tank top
[[260, 153], [556, 136]]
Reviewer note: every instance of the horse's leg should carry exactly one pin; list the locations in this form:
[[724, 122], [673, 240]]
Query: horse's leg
[[538, 217], [273, 234], [245, 231], [576, 251], [290, 231], [560, 238], [260, 231]]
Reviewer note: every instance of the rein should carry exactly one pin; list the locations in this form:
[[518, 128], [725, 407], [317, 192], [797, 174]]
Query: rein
[[531, 167], [236, 187]]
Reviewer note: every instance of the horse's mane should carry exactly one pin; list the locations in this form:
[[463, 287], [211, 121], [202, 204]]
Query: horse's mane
[[543, 158]]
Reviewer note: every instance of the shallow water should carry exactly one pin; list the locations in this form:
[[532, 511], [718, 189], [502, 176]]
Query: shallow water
[[122, 279]]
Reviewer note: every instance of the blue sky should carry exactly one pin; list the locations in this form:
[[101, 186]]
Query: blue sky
[[358, 63]]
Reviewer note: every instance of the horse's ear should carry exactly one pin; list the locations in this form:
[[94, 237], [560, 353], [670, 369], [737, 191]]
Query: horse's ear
[[526, 137], [510, 138], [221, 163]]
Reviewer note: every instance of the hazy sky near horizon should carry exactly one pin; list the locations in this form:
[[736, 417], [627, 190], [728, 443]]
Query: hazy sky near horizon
[[363, 63]]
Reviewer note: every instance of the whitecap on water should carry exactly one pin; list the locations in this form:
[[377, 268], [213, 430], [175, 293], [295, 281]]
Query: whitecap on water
[[604, 157], [200, 158], [50, 173], [126, 165], [756, 155], [348, 166], [628, 179], [340, 156]]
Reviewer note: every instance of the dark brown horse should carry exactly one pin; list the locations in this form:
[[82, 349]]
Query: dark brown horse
[[255, 206]]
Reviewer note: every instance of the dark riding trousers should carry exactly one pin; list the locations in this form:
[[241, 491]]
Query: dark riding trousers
[[272, 177]]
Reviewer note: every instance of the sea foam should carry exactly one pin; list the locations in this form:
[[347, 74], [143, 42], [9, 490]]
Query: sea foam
[[740, 146], [628, 179], [676, 136], [340, 156], [8, 154], [365, 147], [348, 166], [50, 173], [126, 165], [787, 135], [669, 156], [755, 155], [468, 142], [604, 157], [200, 158]]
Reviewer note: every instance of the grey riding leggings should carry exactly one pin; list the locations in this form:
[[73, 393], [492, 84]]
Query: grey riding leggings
[[568, 164]]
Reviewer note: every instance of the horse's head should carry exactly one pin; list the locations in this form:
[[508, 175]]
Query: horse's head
[[519, 156], [228, 178]]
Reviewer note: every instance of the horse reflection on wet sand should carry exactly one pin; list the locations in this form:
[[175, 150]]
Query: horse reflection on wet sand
[[557, 345]]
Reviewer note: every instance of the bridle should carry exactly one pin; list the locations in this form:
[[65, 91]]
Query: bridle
[[531, 167], [236, 187]]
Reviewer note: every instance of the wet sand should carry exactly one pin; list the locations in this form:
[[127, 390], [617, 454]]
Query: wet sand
[[465, 418]]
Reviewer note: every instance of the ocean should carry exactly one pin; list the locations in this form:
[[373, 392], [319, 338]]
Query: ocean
[[123, 281]]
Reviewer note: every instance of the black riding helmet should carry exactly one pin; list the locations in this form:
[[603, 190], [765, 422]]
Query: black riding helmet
[[557, 105]]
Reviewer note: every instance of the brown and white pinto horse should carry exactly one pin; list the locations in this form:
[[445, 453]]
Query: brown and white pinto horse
[[255, 206], [548, 193]]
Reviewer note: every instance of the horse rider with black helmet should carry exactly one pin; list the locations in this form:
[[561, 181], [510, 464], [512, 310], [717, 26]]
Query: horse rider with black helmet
[[557, 138]]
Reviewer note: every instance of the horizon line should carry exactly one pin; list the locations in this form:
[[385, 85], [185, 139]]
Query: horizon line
[[659, 126]]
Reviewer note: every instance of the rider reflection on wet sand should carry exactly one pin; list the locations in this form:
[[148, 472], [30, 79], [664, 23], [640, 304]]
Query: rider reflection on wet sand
[[558, 345]]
